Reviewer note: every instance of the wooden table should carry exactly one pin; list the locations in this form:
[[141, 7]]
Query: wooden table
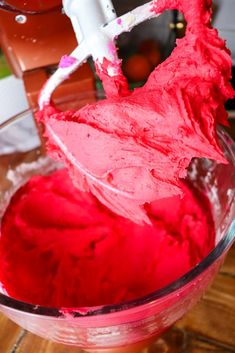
[[208, 328]]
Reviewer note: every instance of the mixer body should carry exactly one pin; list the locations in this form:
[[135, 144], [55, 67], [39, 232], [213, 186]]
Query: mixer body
[[33, 36]]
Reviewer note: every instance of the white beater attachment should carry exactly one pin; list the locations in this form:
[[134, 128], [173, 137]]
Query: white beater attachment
[[96, 26]]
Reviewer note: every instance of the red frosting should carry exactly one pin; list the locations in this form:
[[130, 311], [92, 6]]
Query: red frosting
[[61, 247], [141, 144]]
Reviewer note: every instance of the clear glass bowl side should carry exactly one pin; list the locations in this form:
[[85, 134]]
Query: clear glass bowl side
[[136, 321], [121, 328]]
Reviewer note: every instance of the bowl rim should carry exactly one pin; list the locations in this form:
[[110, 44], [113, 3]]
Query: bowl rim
[[82, 312], [221, 248]]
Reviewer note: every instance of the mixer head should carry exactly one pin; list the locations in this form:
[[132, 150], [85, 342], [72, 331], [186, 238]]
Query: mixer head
[[29, 6], [34, 35]]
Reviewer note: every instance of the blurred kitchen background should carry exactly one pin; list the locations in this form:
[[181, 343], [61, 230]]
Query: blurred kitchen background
[[141, 50]]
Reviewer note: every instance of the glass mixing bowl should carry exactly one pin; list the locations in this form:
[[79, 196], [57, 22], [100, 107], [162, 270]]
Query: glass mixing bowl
[[131, 325]]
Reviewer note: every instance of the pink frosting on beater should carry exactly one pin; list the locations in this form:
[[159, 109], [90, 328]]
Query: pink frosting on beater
[[141, 143], [67, 61]]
